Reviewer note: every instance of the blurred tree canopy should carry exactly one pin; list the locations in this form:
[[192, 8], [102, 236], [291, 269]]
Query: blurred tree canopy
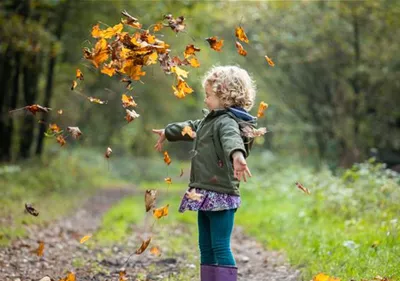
[[333, 93]]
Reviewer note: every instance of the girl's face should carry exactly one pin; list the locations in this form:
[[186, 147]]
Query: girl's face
[[211, 100]]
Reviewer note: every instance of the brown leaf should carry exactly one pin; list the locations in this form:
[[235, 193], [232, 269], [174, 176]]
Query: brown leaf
[[143, 246], [240, 49], [167, 160], [40, 250], [75, 132], [181, 174], [300, 186], [108, 152], [37, 108], [150, 198], [131, 21], [177, 24], [31, 210], [190, 50], [122, 276], [128, 82], [214, 43], [60, 139], [192, 195], [131, 115]]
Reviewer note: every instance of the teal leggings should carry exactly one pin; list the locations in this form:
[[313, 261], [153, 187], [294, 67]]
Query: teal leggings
[[215, 229]]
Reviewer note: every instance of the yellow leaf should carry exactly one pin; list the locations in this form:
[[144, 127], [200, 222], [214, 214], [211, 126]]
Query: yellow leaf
[[161, 212], [241, 35], [168, 180], [128, 101], [85, 238], [270, 62], [179, 71], [261, 108]]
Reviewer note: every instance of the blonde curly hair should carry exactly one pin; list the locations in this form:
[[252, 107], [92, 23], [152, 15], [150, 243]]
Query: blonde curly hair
[[232, 85]]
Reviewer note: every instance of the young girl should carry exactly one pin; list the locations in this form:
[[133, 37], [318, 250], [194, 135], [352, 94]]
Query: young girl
[[217, 166]]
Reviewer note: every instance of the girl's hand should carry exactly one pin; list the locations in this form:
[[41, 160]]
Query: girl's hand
[[161, 139], [240, 168]]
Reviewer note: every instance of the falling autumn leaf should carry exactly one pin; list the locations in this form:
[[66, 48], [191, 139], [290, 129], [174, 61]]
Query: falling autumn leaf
[[54, 128], [60, 112], [261, 108], [214, 43], [31, 210], [192, 195], [161, 212], [270, 62], [60, 139], [167, 160], [108, 69], [79, 74], [143, 246], [251, 132], [187, 130], [107, 33], [99, 54], [74, 85], [150, 198], [179, 72], [182, 89], [108, 152], [181, 174], [131, 115], [96, 100], [131, 21], [40, 250], [168, 180], [128, 101], [177, 24], [300, 186], [194, 62], [75, 132], [240, 49], [34, 109], [155, 251], [132, 70], [190, 50], [158, 26], [85, 238], [240, 34]]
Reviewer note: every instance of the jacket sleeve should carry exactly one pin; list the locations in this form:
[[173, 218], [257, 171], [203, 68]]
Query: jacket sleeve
[[173, 131], [230, 138]]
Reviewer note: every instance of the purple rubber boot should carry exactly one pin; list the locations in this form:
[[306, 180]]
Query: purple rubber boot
[[225, 273], [207, 272]]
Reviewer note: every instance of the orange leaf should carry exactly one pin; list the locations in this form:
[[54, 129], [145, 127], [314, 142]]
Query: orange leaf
[[60, 139], [158, 26], [194, 62], [74, 84], [96, 100], [270, 62], [69, 277], [240, 49], [131, 115], [161, 212], [107, 33], [108, 70], [168, 180], [54, 128], [99, 54], [85, 238], [300, 186], [190, 50], [96, 31], [214, 43], [75, 132], [166, 158], [39, 251], [108, 152], [261, 108], [182, 89], [122, 276], [241, 35], [192, 195], [143, 246], [155, 251], [36, 108], [128, 101], [133, 71], [150, 198], [187, 130]]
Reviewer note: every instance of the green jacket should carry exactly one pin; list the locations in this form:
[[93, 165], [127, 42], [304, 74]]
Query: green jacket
[[217, 137]]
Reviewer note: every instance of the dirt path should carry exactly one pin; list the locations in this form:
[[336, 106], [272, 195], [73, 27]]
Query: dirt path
[[64, 253]]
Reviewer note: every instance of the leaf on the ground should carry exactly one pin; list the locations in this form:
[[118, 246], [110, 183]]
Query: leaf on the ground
[[270, 62], [251, 132], [324, 277], [75, 132], [182, 89], [155, 251], [29, 208], [108, 152], [240, 34], [96, 100], [181, 174], [60, 139], [192, 195], [190, 50], [143, 247], [161, 212], [122, 275], [40, 249], [85, 238], [214, 43], [300, 186], [177, 24], [150, 198], [79, 74], [131, 115], [70, 277], [187, 130], [168, 180], [240, 49], [261, 108], [167, 159], [74, 85], [128, 101]]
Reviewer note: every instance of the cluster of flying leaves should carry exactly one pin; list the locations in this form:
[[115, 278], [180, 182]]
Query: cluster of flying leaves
[[125, 50]]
